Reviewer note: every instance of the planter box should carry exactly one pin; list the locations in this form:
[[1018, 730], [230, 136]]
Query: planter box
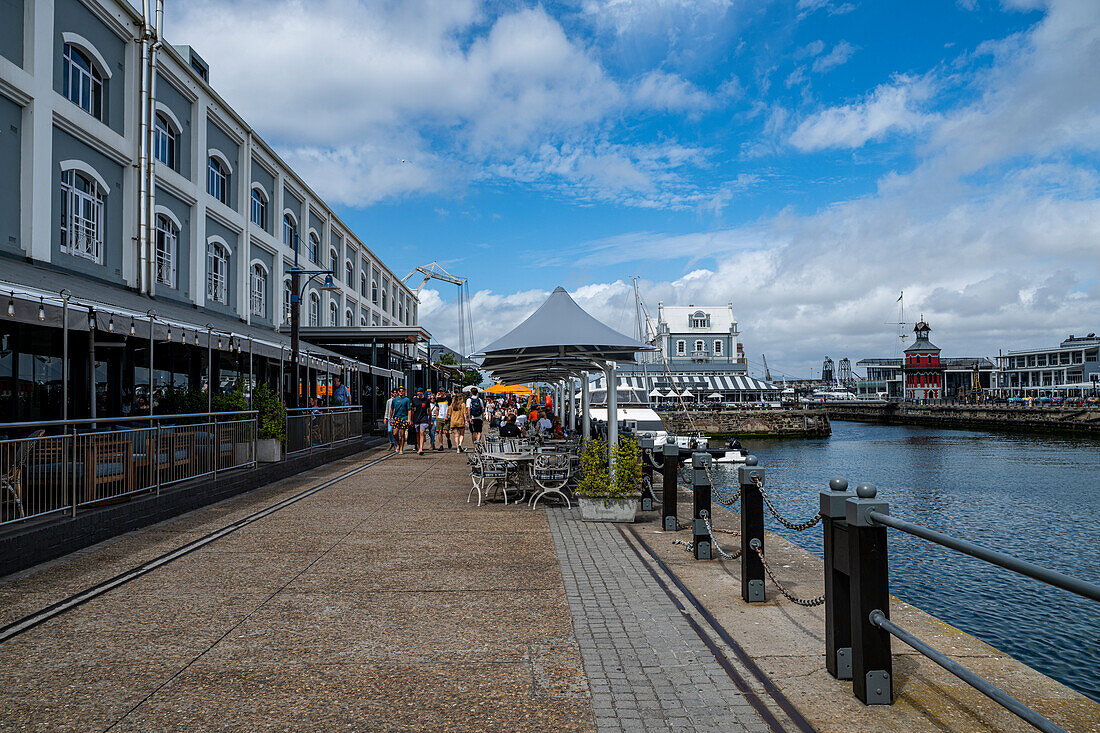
[[596, 510], [269, 450]]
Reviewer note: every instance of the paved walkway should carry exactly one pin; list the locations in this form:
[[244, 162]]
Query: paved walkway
[[647, 667]]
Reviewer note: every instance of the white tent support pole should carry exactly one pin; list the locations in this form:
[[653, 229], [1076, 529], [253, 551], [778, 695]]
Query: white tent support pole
[[570, 408], [612, 418], [586, 423]]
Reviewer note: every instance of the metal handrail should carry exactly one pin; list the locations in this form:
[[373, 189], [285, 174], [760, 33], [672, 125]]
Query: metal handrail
[[120, 419], [337, 408], [1045, 575], [878, 618]]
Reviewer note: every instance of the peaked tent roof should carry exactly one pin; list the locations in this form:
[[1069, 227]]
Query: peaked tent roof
[[560, 338]]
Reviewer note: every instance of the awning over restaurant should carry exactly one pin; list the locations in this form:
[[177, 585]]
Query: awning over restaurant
[[703, 385], [29, 288]]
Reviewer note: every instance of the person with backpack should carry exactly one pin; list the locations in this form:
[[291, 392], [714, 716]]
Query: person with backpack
[[475, 407]]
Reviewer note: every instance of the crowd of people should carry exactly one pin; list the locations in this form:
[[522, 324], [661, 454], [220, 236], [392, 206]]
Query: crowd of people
[[430, 419]]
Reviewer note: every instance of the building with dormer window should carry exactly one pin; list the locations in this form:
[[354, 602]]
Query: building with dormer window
[[923, 370]]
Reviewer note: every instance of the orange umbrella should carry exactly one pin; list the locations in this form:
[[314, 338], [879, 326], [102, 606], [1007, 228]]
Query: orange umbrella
[[516, 389]]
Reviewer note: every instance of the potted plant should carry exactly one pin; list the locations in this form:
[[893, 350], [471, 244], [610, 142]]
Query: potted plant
[[232, 401], [600, 498], [271, 418]]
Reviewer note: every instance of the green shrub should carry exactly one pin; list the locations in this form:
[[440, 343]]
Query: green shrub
[[595, 482], [272, 414], [233, 401]]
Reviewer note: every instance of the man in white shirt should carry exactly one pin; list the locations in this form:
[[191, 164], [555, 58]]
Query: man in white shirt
[[544, 424]]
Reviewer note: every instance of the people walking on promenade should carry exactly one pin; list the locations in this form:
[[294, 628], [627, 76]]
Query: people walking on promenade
[[386, 412], [442, 419], [400, 416], [432, 410], [421, 418], [458, 421], [475, 406]]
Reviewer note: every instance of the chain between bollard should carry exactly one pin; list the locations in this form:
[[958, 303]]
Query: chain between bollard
[[797, 527], [723, 498], [808, 603], [714, 541]]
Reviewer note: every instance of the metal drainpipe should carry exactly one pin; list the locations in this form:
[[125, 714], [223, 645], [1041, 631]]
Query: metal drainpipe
[[65, 295], [152, 316], [150, 131], [143, 159]]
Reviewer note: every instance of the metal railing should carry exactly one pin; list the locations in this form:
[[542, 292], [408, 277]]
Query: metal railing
[[310, 428], [59, 465]]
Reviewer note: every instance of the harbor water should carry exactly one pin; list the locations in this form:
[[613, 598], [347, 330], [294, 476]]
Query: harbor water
[[1035, 497]]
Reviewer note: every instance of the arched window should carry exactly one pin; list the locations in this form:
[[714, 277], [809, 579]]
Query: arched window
[[217, 273], [363, 320], [349, 318], [82, 81], [699, 319], [374, 291], [287, 300], [217, 179], [314, 309], [165, 140], [314, 251], [334, 261], [349, 273], [717, 348], [82, 215], [363, 284], [681, 347], [167, 247], [259, 207], [258, 290], [383, 297], [290, 230], [333, 314], [699, 345]]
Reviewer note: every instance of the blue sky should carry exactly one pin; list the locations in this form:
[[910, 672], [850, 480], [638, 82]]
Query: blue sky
[[803, 159]]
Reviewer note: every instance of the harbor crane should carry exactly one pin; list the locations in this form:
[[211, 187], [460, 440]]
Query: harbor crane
[[767, 372], [435, 271]]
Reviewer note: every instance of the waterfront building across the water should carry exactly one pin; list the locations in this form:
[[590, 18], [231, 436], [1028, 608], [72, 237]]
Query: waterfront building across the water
[[1071, 369], [191, 262]]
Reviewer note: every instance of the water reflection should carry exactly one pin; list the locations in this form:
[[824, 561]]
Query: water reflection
[[1036, 497]]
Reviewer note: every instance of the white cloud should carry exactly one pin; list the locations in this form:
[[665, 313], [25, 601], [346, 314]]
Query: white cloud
[[832, 7], [669, 92], [837, 57], [889, 108]]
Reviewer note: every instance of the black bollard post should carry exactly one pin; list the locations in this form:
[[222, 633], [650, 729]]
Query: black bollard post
[[646, 446], [752, 527], [700, 487], [838, 620], [872, 665], [669, 481]]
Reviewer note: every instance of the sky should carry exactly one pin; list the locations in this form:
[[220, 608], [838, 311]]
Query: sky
[[805, 160]]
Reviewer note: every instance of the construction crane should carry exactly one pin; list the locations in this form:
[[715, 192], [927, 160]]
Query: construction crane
[[767, 372], [436, 271]]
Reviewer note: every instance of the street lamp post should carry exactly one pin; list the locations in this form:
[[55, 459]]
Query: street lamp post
[[297, 290]]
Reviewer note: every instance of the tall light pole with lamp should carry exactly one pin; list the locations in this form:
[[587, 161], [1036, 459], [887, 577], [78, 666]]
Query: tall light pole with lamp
[[297, 290]]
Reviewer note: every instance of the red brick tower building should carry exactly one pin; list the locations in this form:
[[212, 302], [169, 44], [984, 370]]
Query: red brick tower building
[[923, 371]]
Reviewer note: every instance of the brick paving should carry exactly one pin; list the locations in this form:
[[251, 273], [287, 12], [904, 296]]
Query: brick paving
[[646, 667]]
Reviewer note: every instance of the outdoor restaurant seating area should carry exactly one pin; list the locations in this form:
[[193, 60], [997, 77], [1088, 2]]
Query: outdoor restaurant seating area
[[530, 469]]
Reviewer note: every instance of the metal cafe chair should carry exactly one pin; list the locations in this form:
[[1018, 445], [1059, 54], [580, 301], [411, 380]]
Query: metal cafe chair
[[11, 480], [485, 474], [551, 472]]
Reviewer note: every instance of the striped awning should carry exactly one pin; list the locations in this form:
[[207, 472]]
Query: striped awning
[[725, 383]]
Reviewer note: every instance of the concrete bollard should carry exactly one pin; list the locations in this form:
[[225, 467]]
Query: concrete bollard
[[668, 489], [868, 568], [701, 490], [752, 527], [838, 621]]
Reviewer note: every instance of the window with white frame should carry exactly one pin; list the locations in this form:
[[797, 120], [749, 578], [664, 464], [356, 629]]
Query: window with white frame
[[287, 300], [374, 291], [699, 319], [349, 318], [349, 273], [699, 345], [334, 261], [314, 251], [165, 141], [217, 180], [681, 347], [384, 289], [290, 230], [217, 273], [166, 248], [363, 319], [82, 81], [363, 284], [258, 290], [259, 208], [717, 348], [81, 216], [333, 314], [314, 309]]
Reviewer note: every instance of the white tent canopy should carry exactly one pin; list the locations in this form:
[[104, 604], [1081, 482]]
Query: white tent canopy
[[656, 393], [714, 396]]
